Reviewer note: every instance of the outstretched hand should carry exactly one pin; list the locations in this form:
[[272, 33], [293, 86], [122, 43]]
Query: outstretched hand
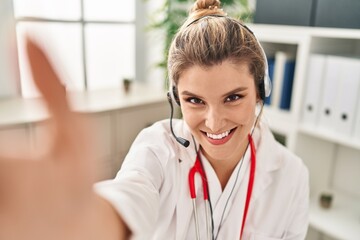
[[49, 195]]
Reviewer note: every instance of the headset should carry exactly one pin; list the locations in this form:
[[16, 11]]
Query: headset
[[264, 87]]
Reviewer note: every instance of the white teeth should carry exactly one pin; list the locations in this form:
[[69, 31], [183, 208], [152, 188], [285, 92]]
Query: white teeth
[[218, 136]]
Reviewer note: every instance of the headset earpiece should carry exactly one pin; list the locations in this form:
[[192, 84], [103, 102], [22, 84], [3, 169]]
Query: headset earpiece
[[175, 94], [262, 90], [265, 83]]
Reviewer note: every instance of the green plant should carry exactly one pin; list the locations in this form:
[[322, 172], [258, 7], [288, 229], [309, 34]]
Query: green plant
[[174, 12], [127, 83]]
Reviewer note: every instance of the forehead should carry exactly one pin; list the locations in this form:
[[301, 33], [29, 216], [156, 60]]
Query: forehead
[[219, 77]]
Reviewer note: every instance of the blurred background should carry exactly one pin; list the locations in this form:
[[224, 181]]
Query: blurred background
[[111, 56]]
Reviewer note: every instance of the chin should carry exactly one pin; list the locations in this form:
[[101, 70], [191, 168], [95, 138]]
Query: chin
[[234, 148]]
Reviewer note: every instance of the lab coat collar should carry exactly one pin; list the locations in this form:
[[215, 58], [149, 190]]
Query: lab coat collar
[[267, 150]]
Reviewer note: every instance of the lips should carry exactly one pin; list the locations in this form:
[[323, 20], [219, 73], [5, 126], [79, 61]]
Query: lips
[[221, 138]]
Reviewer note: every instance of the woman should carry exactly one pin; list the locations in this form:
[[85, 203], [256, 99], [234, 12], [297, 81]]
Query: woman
[[257, 189], [217, 69]]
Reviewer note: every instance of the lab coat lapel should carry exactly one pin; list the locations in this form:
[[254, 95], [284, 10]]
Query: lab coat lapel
[[236, 202], [266, 161], [183, 206]]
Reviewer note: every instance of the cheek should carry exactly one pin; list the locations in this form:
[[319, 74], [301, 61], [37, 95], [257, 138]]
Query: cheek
[[242, 118], [194, 118], [191, 117], [244, 114]]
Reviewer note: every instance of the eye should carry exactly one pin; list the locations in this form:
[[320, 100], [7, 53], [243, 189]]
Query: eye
[[233, 98], [195, 100]]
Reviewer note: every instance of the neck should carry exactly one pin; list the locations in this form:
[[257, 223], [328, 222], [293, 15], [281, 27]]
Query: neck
[[224, 172], [225, 167]]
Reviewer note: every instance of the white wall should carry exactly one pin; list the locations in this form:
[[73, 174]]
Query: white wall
[[9, 73], [153, 45]]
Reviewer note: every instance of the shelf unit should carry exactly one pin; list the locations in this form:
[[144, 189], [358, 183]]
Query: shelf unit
[[333, 159], [339, 222]]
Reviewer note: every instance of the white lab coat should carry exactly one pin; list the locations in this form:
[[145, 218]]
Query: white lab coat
[[151, 191]]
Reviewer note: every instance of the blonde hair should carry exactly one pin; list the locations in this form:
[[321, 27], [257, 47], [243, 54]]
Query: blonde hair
[[208, 37]]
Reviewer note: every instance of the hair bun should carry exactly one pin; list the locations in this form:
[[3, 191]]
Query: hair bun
[[208, 7]]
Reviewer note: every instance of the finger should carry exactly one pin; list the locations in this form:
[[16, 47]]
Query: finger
[[48, 83], [46, 79], [72, 141]]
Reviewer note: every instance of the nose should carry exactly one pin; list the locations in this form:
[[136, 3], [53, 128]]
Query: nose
[[214, 119]]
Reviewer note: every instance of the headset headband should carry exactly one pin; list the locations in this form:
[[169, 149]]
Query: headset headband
[[265, 85]]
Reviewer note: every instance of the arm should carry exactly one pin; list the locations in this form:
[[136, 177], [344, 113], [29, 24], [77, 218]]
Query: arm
[[49, 195], [110, 225]]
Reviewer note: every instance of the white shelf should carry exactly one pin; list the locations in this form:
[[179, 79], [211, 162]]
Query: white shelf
[[341, 221], [20, 111], [330, 136], [280, 121], [269, 29]]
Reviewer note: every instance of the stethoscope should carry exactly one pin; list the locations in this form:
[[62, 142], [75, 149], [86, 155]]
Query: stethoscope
[[198, 168]]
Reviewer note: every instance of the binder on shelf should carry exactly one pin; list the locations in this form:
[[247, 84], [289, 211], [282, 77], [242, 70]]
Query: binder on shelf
[[347, 95], [287, 86], [357, 119], [283, 80], [314, 81], [328, 100], [271, 63]]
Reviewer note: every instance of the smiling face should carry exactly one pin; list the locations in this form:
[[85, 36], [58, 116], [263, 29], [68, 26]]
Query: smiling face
[[218, 104]]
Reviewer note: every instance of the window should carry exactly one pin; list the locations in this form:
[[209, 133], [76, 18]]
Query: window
[[91, 42]]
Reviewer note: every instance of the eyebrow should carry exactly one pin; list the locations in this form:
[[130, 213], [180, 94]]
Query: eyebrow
[[236, 90]]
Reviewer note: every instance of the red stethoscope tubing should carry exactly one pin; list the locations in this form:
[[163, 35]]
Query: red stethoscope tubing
[[251, 182], [198, 168]]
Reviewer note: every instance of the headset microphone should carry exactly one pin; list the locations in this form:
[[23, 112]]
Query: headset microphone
[[180, 140]]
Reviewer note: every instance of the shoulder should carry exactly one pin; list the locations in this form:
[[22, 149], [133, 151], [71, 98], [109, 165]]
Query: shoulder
[[286, 171], [158, 131], [289, 159], [278, 157], [281, 180], [157, 141], [158, 134]]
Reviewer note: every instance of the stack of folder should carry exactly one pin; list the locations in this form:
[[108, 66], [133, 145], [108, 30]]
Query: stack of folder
[[281, 72], [332, 94]]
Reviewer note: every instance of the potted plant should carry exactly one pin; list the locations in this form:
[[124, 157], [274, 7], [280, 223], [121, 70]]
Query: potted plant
[[174, 13], [127, 84]]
